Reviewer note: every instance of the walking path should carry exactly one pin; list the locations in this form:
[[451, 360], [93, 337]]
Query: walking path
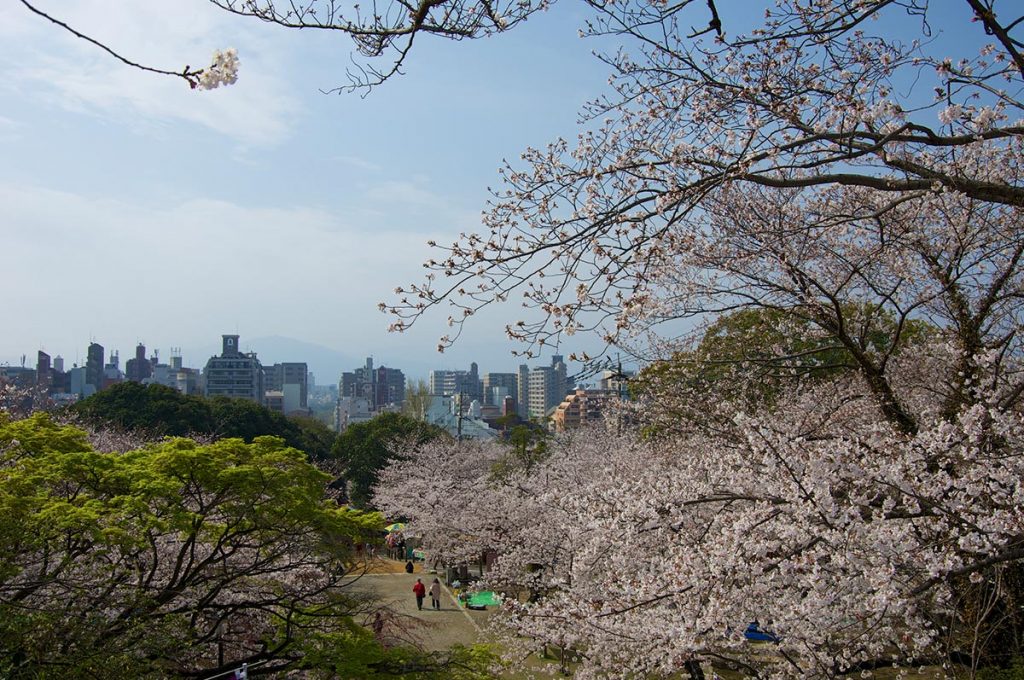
[[437, 630]]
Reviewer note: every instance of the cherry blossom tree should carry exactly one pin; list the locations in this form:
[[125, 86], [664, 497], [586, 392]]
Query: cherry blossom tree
[[387, 31], [856, 544], [442, 487]]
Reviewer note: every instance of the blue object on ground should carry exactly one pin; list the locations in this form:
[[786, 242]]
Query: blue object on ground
[[754, 632]]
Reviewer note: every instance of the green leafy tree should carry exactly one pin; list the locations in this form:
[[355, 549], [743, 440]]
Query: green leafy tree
[[155, 409], [315, 438], [528, 446], [172, 560], [751, 356], [246, 419], [417, 399], [364, 449]]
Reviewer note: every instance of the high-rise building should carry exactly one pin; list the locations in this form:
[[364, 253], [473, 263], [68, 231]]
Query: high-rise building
[[139, 368], [94, 366], [450, 383], [351, 410], [112, 370], [497, 386], [357, 383], [381, 386], [548, 386], [390, 387], [277, 376], [233, 374], [44, 376], [523, 391], [582, 407], [79, 383], [174, 375], [52, 378]]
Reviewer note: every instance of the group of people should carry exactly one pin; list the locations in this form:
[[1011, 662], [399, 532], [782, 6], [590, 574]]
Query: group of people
[[420, 591], [396, 545]]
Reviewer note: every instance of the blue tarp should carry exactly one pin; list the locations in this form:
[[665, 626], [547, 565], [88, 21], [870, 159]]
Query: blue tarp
[[754, 632]]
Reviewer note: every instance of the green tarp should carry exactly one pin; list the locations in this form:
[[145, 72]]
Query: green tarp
[[485, 598]]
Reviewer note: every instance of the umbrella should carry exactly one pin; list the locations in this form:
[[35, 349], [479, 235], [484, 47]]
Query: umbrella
[[397, 526]]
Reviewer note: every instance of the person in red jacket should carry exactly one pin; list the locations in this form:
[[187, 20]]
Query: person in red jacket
[[420, 591]]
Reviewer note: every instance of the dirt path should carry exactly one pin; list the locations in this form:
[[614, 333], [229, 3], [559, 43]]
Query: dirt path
[[436, 630]]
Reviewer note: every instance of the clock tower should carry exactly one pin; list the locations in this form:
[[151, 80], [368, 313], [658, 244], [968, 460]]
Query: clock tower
[[230, 345]]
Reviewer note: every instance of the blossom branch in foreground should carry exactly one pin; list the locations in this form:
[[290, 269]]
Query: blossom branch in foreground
[[223, 69], [810, 101]]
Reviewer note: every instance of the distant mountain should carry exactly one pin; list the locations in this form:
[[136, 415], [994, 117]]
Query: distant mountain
[[325, 363]]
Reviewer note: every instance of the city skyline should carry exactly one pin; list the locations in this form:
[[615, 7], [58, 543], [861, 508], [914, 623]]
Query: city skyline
[[327, 371]]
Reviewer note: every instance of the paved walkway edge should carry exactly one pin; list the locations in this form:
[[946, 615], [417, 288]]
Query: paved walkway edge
[[461, 608]]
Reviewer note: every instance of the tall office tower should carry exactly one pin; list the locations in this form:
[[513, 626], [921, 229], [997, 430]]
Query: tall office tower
[[381, 386], [359, 382], [138, 368], [450, 383], [94, 366], [233, 374], [44, 375], [390, 387], [523, 391], [547, 388], [497, 386]]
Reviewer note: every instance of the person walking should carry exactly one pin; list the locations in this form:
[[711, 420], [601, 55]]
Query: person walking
[[435, 594], [420, 591]]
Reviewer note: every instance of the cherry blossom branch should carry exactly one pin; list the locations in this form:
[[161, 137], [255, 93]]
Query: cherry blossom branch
[[987, 16], [223, 70]]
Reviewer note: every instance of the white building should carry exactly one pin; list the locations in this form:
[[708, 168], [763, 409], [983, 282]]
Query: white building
[[352, 410], [445, 413], [233, 374]]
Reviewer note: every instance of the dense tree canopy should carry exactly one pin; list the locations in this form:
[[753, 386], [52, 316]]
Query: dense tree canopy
[[158, 411], [753, 357], [155, 409], [364, 449], [174, 559], [856, 544]]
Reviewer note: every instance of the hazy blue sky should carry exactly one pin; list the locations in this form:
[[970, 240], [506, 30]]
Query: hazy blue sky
[[134, 209]]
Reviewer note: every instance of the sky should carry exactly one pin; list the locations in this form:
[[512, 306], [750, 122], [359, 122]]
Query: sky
[[137, 210]]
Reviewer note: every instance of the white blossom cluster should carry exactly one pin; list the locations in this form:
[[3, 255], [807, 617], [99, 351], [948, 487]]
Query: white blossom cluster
[[223, 70], [846, 540]]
